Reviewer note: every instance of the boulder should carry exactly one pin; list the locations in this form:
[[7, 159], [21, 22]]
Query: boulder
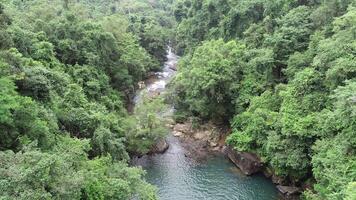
[[248, 163], [289, 191], [160, 147], [213, 144], [183, 128], [202, 135], [217, 148], [177, 134]]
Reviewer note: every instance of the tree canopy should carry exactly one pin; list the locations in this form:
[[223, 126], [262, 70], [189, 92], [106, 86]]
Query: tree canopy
[[282, 74], [68, 71]]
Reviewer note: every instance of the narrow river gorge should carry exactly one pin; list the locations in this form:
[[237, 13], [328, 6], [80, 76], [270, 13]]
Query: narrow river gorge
[[179, 177]]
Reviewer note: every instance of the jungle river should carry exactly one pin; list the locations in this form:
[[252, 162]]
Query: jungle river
[[179, 177]]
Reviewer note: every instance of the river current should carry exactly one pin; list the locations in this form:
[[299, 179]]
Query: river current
[[179, 177]]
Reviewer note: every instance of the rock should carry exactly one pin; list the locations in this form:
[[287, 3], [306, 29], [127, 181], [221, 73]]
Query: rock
[[289, 190], [216, 149], [278, 180], [183, 128], [177, 134], [160, 147], [141, 85], [202, 135], [248, 163], [213, 144], [150, 74], [224, 149]]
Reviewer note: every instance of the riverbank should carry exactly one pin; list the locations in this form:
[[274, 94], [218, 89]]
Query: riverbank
[[180, 174], [208, 138]]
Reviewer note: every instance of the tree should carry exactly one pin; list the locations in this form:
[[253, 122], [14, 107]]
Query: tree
[[22, 120], [205, 81], [147, 126], [336, 151], [67, 173]]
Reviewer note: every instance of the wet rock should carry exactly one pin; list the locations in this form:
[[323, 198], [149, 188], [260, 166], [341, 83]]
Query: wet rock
[[248, 163], [289, 191], [160, 147]]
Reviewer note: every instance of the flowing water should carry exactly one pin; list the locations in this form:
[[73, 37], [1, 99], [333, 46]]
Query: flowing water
[[179, 177]]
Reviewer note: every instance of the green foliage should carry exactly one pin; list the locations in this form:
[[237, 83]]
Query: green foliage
[[147, 125], [289, 94], [350, 191], [67, 71], [335, 153], [251, 128], [67, 173], [22, 119], [205, 81]]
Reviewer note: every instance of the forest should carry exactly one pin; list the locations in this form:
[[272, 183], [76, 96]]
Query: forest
[[281, 74], [68, 71]]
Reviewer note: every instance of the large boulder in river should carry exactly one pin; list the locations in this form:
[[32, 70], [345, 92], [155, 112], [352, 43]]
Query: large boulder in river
[[160, 147], [248, 163]]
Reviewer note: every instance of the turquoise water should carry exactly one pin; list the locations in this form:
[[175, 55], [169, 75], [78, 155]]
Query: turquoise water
[[178, 177]]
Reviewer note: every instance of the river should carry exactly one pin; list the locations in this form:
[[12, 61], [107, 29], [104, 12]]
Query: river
[[179, 177]]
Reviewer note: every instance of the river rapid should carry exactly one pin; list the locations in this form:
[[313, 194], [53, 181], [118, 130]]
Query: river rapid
[[179, 177]]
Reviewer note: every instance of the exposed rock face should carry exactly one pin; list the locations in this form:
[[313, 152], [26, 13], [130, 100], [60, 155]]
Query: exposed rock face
[[160, 147], [289, 192], [248, 163], [207, 134], [185, 128]]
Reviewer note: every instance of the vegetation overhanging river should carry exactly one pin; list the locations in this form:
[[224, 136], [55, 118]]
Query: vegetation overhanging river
[[179, 177]]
